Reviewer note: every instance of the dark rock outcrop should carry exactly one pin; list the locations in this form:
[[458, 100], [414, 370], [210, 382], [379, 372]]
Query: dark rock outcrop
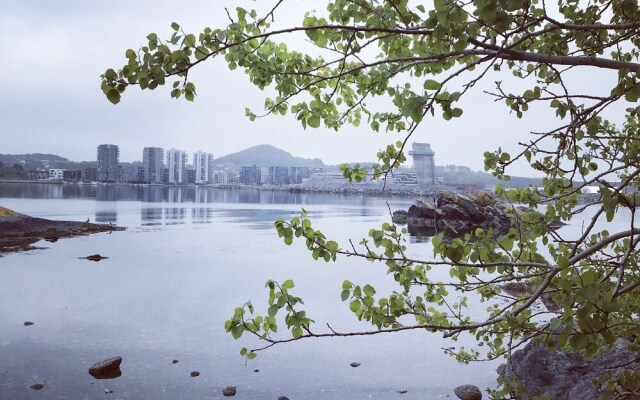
[[19, 232], [455, 214], [558, 375], [106, 369]]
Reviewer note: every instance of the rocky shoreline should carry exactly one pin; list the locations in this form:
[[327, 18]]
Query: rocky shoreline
[[376, 189], [18, 232]]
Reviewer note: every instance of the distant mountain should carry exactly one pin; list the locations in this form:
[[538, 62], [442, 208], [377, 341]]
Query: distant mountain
[[43, 161], [27, 158], [269, 156]]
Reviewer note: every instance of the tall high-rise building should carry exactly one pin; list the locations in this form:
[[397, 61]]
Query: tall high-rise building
[[423, 163], [203, 164], [153, 162], [177, 166], [107, 165]]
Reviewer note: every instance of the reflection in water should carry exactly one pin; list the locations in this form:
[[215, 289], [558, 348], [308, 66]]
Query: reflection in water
[[171, 194], [175, 215], [202, 215], [151, 216], [256, 218], [193, 201], [107, 216]]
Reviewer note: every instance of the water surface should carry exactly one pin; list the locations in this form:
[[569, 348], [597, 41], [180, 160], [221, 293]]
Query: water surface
[[188, 257]]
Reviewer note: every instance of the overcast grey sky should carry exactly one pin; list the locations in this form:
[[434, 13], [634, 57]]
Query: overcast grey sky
[[53, 53]]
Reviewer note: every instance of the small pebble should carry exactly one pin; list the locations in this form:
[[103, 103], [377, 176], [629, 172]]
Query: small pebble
[[107, 391], [355, 364], [37, 386], [195, 373], [283, 398], [27, 323], [256, 370], [229, 391], [402, 391], [174, 362]]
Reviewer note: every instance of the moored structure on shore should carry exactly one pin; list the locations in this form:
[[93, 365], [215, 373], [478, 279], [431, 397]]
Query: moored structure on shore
[[423, 163]]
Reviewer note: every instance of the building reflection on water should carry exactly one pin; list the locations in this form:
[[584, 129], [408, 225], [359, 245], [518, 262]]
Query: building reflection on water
[[172, 194], [110, 216], [194, 204]]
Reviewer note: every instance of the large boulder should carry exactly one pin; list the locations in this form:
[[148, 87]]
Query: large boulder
[[558, 375], [422, 210]]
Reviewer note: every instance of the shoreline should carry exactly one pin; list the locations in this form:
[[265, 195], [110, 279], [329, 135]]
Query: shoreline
[[359, 189], [18, 232]]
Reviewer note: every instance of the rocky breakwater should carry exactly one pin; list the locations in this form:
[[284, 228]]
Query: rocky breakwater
[[19, 232], [455, 214]]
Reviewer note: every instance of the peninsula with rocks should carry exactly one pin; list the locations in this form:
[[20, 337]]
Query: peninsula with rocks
[[19, 232]]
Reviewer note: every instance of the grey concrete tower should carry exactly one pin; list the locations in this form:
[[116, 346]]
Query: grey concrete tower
[[423, 163]]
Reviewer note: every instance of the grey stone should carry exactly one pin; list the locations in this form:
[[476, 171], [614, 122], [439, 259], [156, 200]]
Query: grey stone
[[399, 217], [106, 369], [468, 392], [94, 257], [283, 398], [558, 375], [229, 391], [194, 374], [28, 323], [37, 386], [355, 364]]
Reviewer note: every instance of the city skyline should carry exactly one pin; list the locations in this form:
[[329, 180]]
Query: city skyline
[[44, 113]]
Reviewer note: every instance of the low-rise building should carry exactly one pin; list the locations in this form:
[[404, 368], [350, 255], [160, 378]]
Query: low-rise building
[[38, 175], [72, 175], [56, 174]]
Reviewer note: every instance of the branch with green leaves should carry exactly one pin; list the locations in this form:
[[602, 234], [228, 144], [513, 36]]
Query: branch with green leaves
[[394, 65]]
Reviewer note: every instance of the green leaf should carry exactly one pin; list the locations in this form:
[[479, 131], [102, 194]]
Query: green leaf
[[296, 332], [288, 284], [313, 121], [114, 96], [431, 84], [355, 305], [237, 331], [369, 290], [272, 310]]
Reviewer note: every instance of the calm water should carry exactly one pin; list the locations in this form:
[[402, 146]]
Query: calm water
[[188, 257]]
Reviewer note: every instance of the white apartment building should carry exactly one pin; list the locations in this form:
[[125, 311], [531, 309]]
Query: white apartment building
[[177, 166], [56, 174], [203, 164]]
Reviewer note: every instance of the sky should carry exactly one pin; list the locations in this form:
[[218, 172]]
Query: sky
[[50, 99]]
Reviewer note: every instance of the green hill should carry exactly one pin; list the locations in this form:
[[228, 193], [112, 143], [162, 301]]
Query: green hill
[[269, 156]]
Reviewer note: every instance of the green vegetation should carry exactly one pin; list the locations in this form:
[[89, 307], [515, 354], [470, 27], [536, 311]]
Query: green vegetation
[[16, 171], [419, 62]]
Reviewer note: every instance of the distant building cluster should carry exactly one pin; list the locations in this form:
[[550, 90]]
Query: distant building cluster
[[157, 167], [260, 175], [172, 167]]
